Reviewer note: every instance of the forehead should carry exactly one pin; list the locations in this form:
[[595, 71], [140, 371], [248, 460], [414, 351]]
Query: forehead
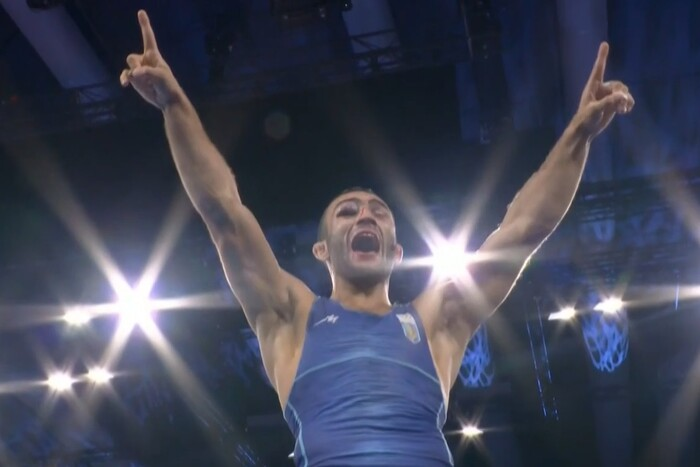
[[353, 196]]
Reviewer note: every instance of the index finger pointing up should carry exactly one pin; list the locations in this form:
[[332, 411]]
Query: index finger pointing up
[[149, 39], [598, 71]]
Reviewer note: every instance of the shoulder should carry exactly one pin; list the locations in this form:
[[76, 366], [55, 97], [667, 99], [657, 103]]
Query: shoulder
[[292, 307], [300, 299]]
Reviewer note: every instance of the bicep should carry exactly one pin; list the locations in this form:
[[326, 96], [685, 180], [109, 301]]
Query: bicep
[[500, 261], [460, 305]]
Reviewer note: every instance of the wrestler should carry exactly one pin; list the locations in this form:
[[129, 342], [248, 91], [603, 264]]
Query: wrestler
[[362, 381]]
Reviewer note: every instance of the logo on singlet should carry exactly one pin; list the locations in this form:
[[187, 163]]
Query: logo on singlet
[[331, 319], [409, 326]]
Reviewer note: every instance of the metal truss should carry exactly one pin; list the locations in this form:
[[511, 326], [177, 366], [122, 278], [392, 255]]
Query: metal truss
[[646, 216], [107, 102], [484, 35]]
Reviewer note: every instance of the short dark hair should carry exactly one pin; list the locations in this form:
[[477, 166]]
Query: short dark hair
[[322, 229]]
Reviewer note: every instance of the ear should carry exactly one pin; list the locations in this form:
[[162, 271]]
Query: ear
[[320, 251], [398, 253]]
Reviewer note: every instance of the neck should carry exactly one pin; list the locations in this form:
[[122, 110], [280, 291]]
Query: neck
[[371, 299]]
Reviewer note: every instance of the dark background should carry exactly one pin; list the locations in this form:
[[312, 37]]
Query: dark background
[[466, 104]]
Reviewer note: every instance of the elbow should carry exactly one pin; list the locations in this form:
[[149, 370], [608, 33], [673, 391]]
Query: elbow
[[215, 197], [212, 210], [218, 214]]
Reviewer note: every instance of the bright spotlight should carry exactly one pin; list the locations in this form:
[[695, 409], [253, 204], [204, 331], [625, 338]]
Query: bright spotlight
[[76, 316], [99, 375], [565, 314], [609, 306], [450, 260], [134, 308], [60, 381], [471, 431]]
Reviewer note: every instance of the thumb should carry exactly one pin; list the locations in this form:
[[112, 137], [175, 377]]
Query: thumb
[[617, 102]]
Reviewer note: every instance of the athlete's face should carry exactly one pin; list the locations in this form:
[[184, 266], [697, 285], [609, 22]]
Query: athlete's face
[[360, 243]]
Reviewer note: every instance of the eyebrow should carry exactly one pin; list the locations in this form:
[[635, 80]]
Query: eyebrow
[[358, 200]]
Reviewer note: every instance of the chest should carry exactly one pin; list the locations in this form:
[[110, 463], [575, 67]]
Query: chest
[[344, 335]]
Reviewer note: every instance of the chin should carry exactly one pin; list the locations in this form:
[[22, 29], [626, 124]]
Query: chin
[[372, 273]]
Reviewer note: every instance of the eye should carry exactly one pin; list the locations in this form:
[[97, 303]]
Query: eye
[[380, 212], [347, 211]]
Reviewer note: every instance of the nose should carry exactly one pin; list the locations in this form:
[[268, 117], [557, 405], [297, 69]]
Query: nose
[[366, 219]]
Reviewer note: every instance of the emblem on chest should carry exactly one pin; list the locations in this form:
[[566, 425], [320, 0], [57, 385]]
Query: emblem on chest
[[409, 326]]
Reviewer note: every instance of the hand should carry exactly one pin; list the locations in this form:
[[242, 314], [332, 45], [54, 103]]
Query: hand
[[148, 73], [602, 100]]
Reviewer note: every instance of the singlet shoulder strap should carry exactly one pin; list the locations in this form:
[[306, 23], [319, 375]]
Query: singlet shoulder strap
[[403, 308], [319, 310]]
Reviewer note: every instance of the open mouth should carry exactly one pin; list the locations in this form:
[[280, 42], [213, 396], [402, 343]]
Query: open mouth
[[365, 242]]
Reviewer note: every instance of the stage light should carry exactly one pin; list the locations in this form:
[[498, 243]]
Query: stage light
[[471, 431], [609, 306], [565, 314], [450, 260], [76, 316], [99, 375], [134, 308], [60, 382]]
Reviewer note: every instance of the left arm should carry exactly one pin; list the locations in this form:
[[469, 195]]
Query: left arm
[[532, 216], [456, 308]]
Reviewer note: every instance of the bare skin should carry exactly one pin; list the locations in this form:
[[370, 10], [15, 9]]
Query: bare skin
[[277, 305]]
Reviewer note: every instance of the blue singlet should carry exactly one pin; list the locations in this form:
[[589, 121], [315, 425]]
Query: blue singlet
[[366, 392]]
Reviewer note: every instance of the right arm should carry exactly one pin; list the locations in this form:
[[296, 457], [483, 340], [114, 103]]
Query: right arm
[[268, 294]]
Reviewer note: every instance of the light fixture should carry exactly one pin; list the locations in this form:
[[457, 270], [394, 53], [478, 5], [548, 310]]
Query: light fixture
[[99, 375], [450, 260], [76, 316], [565, 314], [134, 308], [60, 381], [471, 431], [609, 306]]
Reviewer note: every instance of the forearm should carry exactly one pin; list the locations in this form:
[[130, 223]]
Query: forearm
[[205, 174], [546, 197]]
